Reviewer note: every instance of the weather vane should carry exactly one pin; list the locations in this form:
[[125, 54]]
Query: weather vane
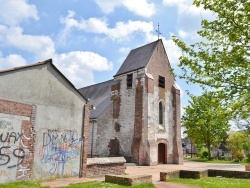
[[158, 31]]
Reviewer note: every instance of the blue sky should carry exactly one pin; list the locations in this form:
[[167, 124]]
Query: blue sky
[[89, 40]]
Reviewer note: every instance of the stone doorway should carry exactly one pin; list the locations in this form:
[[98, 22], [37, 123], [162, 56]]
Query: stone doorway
[[161, 154]]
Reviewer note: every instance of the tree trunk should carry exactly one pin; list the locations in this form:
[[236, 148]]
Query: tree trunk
[[209, 150]]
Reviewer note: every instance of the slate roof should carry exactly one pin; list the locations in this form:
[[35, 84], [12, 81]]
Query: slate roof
[[99, 96], [138, 58]]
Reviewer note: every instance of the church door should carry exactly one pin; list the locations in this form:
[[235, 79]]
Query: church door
[[161, 153]]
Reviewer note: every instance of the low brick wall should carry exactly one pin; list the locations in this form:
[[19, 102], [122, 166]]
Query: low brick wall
[[169, 175], [130, 180], [193, 174], [197, 174], [229, 174], [247, 167], [107, 165]]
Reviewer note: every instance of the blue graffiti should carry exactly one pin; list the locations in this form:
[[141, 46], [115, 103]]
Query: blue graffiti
[[59, 148]]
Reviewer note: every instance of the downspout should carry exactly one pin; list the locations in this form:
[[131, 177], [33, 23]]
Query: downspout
[[92, 139], [82, 143]]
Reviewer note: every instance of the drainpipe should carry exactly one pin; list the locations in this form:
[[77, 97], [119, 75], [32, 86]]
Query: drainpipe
[[92, 140], [82, 143]]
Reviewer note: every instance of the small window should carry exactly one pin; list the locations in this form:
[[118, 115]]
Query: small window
[[129, 80], [161, 82], [160, 113]]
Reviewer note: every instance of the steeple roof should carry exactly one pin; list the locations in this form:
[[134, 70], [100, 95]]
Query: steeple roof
[[138, 58]]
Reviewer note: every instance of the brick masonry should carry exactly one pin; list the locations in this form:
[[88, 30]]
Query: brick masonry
[[197, 174], [102, 169], [132, 119], [108, 165], [136, 149], [27, 137], [86, 113]]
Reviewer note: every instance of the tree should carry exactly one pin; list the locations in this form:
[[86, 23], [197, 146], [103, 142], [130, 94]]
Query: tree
[[238, 141], [205, 120], [222, 59]]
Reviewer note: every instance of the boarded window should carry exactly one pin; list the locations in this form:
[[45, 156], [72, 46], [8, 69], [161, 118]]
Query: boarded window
[[161, 82], [160, 113], [129, 80]]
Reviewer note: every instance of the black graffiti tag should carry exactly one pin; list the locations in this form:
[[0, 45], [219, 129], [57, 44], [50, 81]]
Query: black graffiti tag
[[5, 158], [10, 137]]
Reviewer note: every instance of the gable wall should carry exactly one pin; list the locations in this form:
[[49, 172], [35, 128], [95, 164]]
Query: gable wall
[[59, 118], [159, 65]]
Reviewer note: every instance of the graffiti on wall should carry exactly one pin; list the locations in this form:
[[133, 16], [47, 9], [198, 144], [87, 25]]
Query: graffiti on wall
[[60, 148], [14, 148]]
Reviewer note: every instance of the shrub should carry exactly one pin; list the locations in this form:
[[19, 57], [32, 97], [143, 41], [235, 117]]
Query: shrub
[[239, 155], [236, 160], [248, 157], [203, 153], [228, 158], [222, 158]]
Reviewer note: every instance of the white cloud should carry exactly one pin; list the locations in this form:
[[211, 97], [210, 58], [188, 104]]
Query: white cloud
[[138, 7], [12, 60], [42, 46], [185, 7], [173, 51], [89, 60], [78, 66], [188, 19], [13, 12], [121, 32], [182, 34], [124, 50]]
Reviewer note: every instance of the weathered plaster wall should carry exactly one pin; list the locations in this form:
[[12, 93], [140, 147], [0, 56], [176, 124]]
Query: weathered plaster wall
[[105, 132], [59, 118], [92, 138], [17, 138], [127, 114]]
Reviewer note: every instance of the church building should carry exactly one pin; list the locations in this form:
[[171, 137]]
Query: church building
[[137, 114]]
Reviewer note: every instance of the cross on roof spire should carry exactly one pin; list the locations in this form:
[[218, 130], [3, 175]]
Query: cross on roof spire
[[158, 31]]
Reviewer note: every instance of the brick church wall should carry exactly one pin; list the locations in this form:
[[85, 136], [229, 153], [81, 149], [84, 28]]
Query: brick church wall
[[130, 127]]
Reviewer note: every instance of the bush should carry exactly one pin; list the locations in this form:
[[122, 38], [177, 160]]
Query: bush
[[248, 157], [239, 155], [203, 153], [222, 158], [236, 160], [228, 158]]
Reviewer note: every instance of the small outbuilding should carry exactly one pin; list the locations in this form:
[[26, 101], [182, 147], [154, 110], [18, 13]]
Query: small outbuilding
[[43, 124]]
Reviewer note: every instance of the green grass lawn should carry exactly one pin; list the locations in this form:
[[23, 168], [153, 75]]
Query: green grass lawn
[[196, 159], [21, 184], [95, 184], [106, 185], [215, 182]]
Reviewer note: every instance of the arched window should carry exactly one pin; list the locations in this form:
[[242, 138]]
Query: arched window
[[160, 113]]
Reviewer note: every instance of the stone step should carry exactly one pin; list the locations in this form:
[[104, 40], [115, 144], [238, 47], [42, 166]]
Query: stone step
[[130, 164]]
